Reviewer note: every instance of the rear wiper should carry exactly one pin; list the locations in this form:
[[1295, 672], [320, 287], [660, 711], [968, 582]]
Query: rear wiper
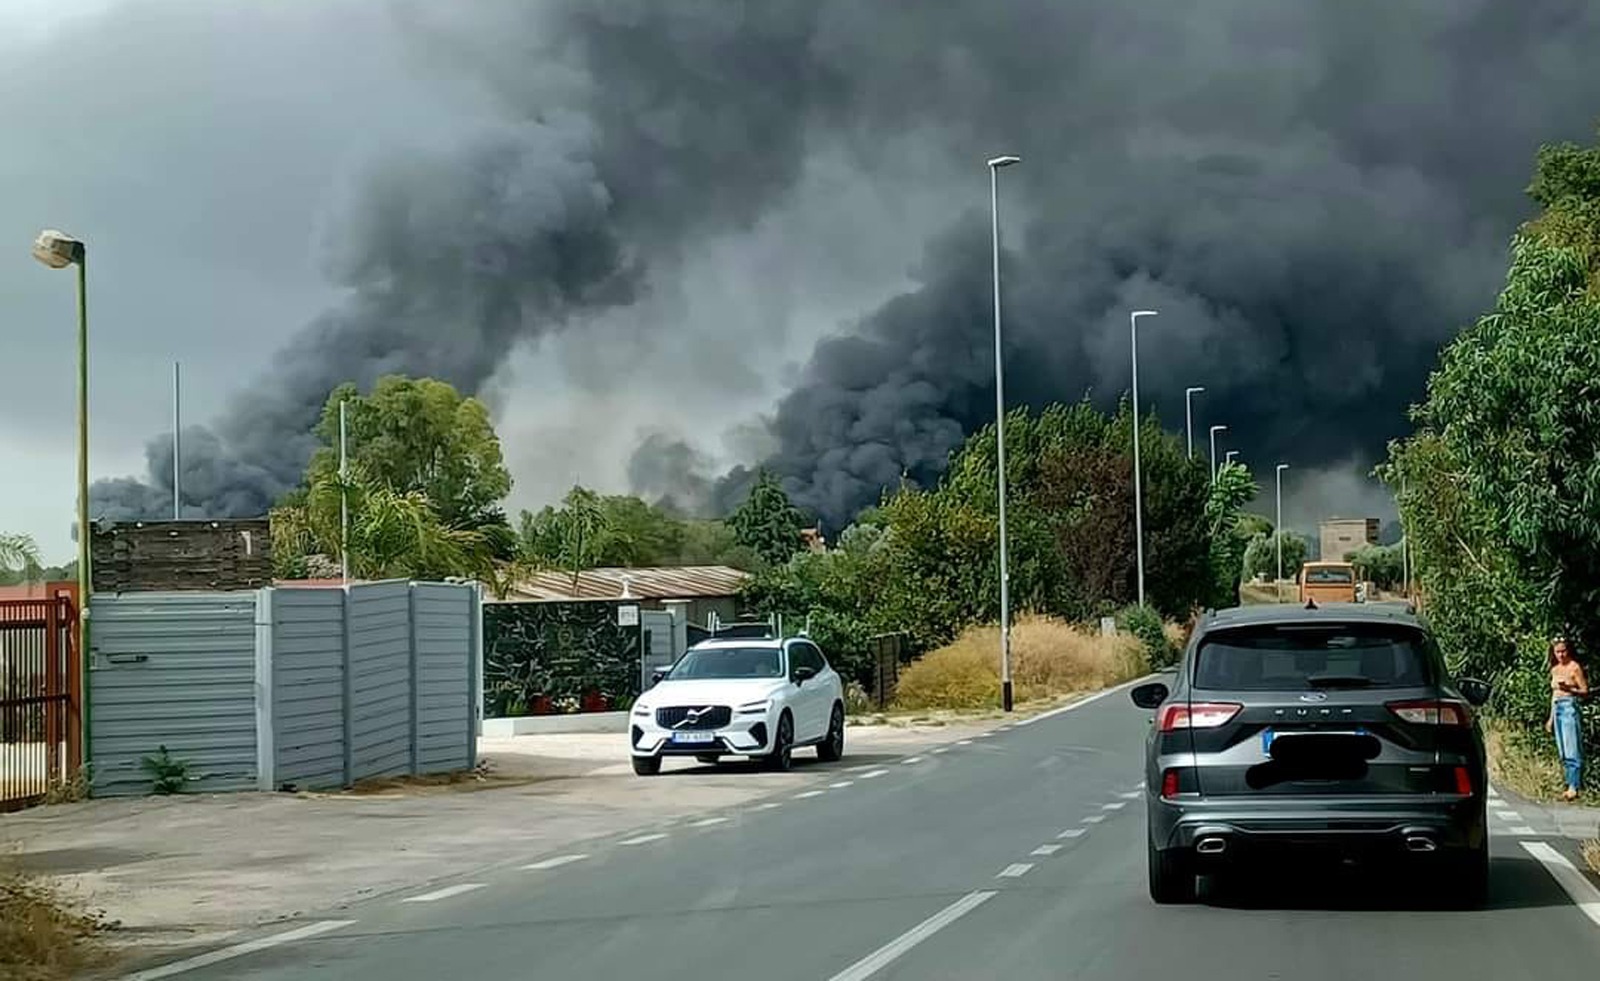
[[1338, 681]]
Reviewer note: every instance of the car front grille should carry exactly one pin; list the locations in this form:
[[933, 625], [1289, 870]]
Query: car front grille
[[708, 717]]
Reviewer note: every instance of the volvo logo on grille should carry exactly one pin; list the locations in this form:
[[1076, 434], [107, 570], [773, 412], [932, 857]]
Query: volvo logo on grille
[[693, 716], [1314, 696]]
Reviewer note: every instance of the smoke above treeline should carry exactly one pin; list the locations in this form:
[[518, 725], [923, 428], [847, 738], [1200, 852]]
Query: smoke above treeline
[[1315, 196]]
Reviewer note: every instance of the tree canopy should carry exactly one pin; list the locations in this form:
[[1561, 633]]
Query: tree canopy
[[767, 522]]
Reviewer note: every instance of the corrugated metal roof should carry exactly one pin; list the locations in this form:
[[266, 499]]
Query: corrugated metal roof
[[660, 583]]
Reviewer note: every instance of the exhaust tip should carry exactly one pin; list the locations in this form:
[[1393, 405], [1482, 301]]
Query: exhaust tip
[[1211, 846], [1421, 843]]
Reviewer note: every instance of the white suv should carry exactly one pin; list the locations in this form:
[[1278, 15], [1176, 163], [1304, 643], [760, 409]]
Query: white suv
[[740, 696]]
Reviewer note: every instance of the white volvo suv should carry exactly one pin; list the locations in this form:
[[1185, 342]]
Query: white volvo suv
[[740, 696]]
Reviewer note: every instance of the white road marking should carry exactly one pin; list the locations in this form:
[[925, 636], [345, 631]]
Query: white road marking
[[881, 958], [1577, 885], [1080, 703], [239, 950], [446, 892], [1094, 819], [642, 839], [1045, 850], [1507, 815], [942, 749], [841, 784], [963, 742], [809, 793], [1016, 870], [552, 863], [983, 735], [910, 760], [1114, 806], [873, 774], [708, 822], [769, 805], [1521, 831], [1073, 833], [1133, 794]]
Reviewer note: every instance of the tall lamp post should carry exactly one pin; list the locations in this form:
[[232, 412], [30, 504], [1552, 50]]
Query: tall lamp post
[[59, 250], [1188, 415], [995, 163], [1214, 431], [1228, 456], [1278, 532], [1138, 502]]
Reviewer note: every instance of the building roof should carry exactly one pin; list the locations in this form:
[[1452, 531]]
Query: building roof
[[660, 583]]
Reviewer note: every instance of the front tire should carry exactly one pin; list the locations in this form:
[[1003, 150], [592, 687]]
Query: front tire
[[831, 749], [781, 759], [646, 766], [1171, 878]]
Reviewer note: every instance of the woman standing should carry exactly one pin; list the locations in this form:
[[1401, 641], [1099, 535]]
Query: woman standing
[[1567, 685]]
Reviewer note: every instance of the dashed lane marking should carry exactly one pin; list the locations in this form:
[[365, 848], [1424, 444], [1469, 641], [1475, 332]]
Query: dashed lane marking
[[881, 958], [1094, 819], [1114, 806], [809, 794], [708, 822], [1575, 883], [1045, 850], [447, 892], [873, 774], [1132, 794], [1016, 870], [910, 760], [840, 784], [642, 839], [1073, 833], [1521, 831], [553, 863]]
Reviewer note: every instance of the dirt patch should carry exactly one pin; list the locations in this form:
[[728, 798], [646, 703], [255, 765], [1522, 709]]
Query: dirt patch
[[44, 935]]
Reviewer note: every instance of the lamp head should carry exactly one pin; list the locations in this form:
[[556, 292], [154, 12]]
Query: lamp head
[[57, 250]]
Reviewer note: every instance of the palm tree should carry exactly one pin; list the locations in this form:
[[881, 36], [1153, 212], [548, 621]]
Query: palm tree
[[18, 553]]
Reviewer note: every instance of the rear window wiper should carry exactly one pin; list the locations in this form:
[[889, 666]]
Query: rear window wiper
[[1339, 681]]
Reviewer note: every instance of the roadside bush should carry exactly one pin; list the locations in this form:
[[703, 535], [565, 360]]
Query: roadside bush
[[1147, 627], [1048, 658]]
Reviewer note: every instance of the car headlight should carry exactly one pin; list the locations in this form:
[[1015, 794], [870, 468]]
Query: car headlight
[[755, 708]]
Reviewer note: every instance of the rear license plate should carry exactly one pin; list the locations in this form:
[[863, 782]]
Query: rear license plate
[[693, 737], [1267, 735]]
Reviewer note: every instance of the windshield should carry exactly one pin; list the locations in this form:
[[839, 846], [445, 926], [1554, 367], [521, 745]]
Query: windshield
[[1295, 657], [1341, 575], [729, 662]]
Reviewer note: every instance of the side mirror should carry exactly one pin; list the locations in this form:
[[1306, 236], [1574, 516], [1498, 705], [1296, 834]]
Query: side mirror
[[1477, 692], [804, 673], [1150, 696], [656, 676]]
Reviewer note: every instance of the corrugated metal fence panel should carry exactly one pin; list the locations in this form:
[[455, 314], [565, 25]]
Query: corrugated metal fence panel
[[661, 653], [308, 686], [173, 669], [379, 632], [443, 614]]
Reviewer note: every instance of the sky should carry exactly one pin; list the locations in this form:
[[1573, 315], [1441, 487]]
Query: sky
[[665, 240]]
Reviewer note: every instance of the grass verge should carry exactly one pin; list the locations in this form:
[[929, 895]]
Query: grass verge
[[1591, 854], [44, 936], [1522, 762], [1049, 658]]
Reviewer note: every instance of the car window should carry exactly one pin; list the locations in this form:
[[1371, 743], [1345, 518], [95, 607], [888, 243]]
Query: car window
[[728, 662], [1296, 657], [1329, 575], [803, 653]]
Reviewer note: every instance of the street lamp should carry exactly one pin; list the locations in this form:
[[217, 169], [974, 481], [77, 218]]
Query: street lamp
[[1188, 415], [59, 250], [1228, 456], [995, 163], [1278, 528], [1214, 431], [1138, 503]]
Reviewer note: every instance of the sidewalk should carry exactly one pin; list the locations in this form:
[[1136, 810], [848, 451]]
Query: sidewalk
[[193, 869]]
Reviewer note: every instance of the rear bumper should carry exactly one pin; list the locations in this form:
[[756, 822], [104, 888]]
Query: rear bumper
[[1220, 830]]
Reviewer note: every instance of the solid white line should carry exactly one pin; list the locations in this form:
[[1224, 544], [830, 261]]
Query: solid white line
[[1094, 819], [1085, 701], [1016, 870], [840, 785], [1577, 885], [642, 839], [1521, 831], [1045, 850], [809, 793], [707, 822], [908, 761], [1073, 833], [873, 774], [239, 950], [881, 958], [445, 893], [551, 863], [1114, 806]]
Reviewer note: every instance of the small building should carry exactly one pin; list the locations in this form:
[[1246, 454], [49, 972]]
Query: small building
[[1341, 536], [700, 589]]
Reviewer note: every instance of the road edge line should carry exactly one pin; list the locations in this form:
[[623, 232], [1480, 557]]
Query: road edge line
[[881, 958], [1102, 693], [237, 950], [1573, 882]]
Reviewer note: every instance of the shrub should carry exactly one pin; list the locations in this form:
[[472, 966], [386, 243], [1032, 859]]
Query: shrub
[[1048, 658], [1146, 626]]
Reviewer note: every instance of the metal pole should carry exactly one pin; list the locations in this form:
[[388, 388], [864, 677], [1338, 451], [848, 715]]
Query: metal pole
[[1138, 496], [1188, 415], [85, 582], [1214, 431], [344, 501], [1228, 456], [177, 445], [1405, 544], [1278, 530], [1000, 446]]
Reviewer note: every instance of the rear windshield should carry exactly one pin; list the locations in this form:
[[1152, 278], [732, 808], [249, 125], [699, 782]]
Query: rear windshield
[[1294, 657], [1329, 574]]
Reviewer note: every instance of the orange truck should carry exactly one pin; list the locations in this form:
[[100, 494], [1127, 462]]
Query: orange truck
[[1328, 582]]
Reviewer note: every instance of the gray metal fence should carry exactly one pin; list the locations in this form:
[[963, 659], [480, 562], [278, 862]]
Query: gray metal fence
[[298, 687]]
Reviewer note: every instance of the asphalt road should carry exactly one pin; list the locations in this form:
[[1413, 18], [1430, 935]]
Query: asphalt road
[[1017, 856]]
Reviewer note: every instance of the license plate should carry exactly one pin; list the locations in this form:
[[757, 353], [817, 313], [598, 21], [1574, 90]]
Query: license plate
[[1267, 735], [693, 737]]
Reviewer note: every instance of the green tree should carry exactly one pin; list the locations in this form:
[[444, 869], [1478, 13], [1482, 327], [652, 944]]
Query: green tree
[[1383, 565], [19, 556], [767, 521], [1233, 487], [419, 435], [1261, 555], [573, 537]]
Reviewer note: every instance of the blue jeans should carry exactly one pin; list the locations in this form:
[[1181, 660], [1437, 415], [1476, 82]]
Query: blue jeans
[[1568, 742]]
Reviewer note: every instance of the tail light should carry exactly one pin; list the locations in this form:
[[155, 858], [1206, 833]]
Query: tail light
[[1433, 712], [1169, 784], [1196, 715], [1463, 782]]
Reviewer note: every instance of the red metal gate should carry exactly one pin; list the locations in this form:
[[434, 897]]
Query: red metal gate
[[40, 724]]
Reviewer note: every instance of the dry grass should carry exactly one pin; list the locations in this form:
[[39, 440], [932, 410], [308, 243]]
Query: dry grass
[[1519, 762], [43, 935], [481, 777], [1591, 854], [1048, 658]]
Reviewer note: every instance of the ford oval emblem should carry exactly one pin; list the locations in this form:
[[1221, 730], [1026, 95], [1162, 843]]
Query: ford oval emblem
[[1314, 696]]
